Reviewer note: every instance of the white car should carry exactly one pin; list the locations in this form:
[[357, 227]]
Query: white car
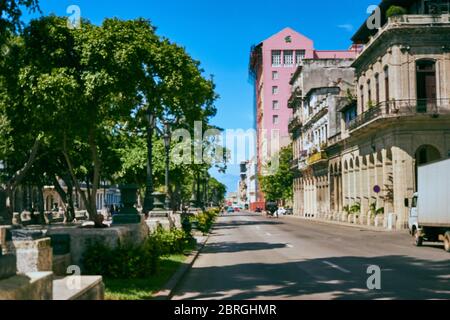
[[281, 211]]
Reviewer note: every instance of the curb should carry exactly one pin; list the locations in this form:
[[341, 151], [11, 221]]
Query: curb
[[344, 224], [167, 290]]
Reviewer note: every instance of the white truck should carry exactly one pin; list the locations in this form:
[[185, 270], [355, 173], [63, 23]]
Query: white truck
[[429, 214]]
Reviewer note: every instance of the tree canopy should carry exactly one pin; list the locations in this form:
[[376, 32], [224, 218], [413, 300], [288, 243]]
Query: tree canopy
[[277, 187], [74, 103]]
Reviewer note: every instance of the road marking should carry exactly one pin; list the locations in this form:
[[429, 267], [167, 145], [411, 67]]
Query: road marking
[[335, 266], [258, 227], [268, 234], [289, 245]]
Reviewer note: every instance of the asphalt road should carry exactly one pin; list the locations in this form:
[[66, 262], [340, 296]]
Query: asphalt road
[[253, 257]]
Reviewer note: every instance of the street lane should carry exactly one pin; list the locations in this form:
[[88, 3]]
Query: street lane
[[253, 257]]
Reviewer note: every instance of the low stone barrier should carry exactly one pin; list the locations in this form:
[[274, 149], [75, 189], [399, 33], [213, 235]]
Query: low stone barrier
[[30, 286], [81, 238], [79, 288]]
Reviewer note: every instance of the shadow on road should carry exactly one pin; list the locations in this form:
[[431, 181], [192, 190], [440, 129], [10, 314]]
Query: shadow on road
[[237, 224], [229, 247], [401, 278]]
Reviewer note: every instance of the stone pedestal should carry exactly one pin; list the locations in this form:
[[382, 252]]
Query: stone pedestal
[[159, 219], [30, 286], [128, 213], [32, 255], [8, 265], [119, 219]]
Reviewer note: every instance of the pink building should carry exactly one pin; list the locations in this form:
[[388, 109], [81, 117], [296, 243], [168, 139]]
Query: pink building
[[272, 64]]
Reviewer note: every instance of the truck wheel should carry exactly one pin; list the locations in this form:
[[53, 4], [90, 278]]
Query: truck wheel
[[447, 241], [418, 239]]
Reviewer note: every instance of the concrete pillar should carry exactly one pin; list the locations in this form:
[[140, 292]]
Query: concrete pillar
[[403, 173]]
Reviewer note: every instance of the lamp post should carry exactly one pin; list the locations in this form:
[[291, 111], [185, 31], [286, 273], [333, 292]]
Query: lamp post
[[167, 148], [148, 199]]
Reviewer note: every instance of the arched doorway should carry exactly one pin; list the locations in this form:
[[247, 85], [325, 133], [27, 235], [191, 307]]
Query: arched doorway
[[425, 154]]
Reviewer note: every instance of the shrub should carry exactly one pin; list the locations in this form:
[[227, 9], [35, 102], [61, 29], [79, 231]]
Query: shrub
[[173, 241], [126, 261], [395, 11], [129, 261], [205, 220]]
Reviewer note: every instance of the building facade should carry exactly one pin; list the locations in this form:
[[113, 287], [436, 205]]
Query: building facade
[[398, 119], [272, 64], [319, 89]]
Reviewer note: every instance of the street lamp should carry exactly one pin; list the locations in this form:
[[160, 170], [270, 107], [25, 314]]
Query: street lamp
[[167, 147], [148, 199]]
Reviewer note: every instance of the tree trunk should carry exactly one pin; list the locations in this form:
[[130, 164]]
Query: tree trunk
[[89, 199], [41, 208], [67, 197], [17, 178]]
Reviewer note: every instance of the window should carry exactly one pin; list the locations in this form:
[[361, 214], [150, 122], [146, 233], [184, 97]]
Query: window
[[414, 202], [275, 105], [361, 90], [377, 88], [274, 75], [276, 58], [386, 83], [350, 114], [288, 58], [299, 56], [274, 90], [426, 85], [276, 119], [369, 92]]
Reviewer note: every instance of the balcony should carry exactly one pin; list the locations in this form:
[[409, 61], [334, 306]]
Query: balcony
[[295, 124], [407, 21], [302, 165], [317, 158], [401, 108]]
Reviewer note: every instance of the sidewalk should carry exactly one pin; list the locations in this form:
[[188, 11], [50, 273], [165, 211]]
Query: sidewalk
[[343, 224]]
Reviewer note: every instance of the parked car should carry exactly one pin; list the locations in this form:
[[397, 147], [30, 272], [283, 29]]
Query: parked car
[[258, 210], [230, 210], [289, 212], [237, 209], [271, 208]]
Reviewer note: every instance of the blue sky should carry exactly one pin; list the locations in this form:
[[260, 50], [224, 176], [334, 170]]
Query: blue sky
[[220, 34]]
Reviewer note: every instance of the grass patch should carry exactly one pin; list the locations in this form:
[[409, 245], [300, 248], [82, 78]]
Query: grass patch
[[143, 289]]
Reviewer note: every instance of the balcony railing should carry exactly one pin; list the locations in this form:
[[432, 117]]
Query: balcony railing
[[408, 20], [401, 108], [295, 124], [317, 157]]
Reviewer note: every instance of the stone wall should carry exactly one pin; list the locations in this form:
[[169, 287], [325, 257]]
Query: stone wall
[[80, 238]]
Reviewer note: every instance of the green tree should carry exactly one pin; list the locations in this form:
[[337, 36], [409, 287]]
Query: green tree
[[10, 15], [216, 191], [278, 186]]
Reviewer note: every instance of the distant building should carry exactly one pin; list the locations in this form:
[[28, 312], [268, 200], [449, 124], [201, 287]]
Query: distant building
[[272, 64], [232, 199], [252, 183], [319, 89]]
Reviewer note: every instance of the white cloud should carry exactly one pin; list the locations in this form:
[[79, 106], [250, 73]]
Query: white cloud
[[346, 27]]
